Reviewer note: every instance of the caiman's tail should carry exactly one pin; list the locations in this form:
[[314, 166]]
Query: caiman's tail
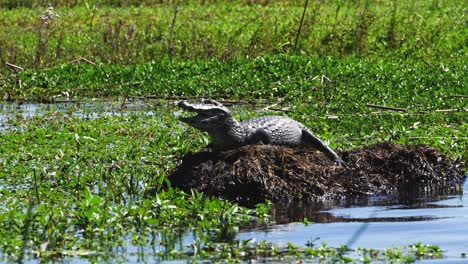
[[315, 142]]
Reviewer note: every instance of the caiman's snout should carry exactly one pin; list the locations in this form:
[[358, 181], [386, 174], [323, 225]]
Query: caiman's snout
[[190, 108], [209, 114], [183, 105], [184, 119]]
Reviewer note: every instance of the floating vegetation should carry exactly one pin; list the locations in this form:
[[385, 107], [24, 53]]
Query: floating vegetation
[[254, 174], [84, 185]]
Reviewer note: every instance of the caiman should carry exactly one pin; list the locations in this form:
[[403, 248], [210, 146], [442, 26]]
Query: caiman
[[228, 133]]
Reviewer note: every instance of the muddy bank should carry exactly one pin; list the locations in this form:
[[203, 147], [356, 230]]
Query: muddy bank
[[252, 174]]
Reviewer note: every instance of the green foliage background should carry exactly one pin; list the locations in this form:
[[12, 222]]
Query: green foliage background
[[128, 34], [83, 182]]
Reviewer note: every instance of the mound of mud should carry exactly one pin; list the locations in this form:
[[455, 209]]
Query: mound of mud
[[252, 174]]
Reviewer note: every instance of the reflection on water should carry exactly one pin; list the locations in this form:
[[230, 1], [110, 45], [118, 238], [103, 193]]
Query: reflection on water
[[327, 213], [442, 222], [79, 108], [377, 223]]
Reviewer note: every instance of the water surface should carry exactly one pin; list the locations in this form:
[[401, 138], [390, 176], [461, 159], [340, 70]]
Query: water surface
[[443, 222]]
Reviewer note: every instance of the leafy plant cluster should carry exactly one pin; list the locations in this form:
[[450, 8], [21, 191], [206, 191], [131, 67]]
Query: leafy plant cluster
[[331, 84], [331, 95], [48, 36], [73, 184], [264, 251]]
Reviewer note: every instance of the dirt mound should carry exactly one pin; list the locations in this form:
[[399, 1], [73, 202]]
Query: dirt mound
[[252, 174]]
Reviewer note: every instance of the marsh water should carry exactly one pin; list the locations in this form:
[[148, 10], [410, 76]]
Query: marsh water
[[375, 222], [382, 223]]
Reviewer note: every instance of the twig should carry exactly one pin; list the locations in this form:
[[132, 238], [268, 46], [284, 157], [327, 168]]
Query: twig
[[300, 25], [171, 36], [459, 95], [284, 109], [25, 232], [325, 78], [269, 107], [16, 67], [80, 60], [426, 62], [65, 101], [122, 105], [332, 116], [387, 107], [446, 110]]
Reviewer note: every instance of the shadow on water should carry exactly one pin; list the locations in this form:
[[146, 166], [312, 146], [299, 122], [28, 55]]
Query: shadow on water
[[284, 213], [374, 222]]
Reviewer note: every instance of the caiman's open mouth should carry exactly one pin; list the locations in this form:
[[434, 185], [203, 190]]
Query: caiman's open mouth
[[199, 117], [199, 109], [208, 112]]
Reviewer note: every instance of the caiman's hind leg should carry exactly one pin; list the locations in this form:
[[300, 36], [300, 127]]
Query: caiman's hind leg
[[309, 139]]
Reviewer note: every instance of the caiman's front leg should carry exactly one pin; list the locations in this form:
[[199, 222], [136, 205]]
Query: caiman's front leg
[[210, 145], [258, 137]]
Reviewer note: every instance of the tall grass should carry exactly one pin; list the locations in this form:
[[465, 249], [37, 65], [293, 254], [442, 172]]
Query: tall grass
[[120, 3], [127, 35]]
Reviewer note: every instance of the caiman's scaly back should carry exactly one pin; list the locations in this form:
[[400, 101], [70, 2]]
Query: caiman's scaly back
[[227, 133]]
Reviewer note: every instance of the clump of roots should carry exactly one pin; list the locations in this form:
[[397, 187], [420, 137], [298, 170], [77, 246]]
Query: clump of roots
[[252, 174]]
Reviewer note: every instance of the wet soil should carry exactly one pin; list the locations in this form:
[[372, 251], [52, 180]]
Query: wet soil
[[253, 174]]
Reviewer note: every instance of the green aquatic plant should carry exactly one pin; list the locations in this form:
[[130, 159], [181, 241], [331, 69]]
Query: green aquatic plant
[[75, 184], [139, 31], [406, 84], [91, 183]]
